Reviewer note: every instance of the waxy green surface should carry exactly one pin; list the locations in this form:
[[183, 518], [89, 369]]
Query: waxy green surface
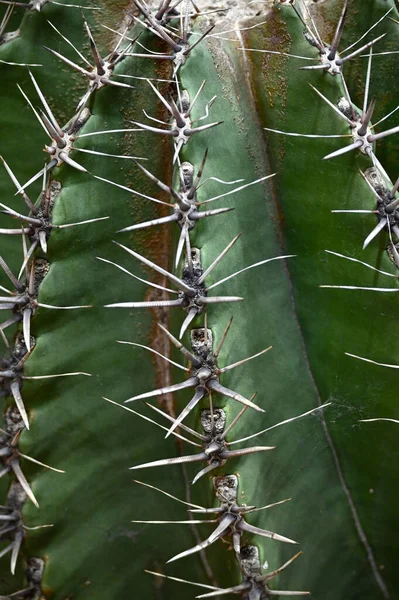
[[335, 321]]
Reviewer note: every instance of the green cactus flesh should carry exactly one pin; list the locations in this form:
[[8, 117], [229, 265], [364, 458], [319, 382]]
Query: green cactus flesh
[[334, 477]]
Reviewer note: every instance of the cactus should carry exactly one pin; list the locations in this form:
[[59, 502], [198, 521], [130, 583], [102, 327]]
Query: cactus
[[231, 251]]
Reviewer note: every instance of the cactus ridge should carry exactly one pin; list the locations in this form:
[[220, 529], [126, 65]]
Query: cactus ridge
[[192, 292], [203, 373], [23, 301]]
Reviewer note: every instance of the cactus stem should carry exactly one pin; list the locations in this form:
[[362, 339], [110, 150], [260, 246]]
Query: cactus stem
[[202, 372]]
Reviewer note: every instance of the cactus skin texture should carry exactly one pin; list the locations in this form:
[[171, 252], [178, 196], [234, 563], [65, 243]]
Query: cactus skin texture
[[339, 473]]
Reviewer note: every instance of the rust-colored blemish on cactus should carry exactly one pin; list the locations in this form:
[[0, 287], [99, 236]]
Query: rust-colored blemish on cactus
[[273, 34]]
